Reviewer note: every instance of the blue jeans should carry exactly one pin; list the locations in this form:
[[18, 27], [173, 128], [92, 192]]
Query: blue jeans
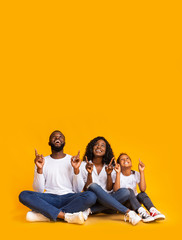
[[109, 201], [50, 205]]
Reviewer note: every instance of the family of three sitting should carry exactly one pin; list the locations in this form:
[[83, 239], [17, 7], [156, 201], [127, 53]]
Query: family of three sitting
[[69, 189]]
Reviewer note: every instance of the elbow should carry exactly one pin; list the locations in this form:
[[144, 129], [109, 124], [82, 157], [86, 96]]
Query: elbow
[[115, 188], [78, 189], [109, 187], [143, 189], [36, 189]]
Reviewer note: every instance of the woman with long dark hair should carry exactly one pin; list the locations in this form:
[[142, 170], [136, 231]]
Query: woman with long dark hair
[[97, 175]]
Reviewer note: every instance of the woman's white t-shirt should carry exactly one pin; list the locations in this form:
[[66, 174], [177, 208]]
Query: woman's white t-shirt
[[100, 179]]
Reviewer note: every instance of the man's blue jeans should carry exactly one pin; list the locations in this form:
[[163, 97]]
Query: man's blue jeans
[[50, 205], [107, 201]]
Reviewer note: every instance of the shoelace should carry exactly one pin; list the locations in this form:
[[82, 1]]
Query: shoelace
[[144, 214], [154, 211]]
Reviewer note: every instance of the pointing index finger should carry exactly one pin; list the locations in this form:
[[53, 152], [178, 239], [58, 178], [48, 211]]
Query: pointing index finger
[[140, 161], [111, 161], [86, 159], [78, 155], [36, 153]]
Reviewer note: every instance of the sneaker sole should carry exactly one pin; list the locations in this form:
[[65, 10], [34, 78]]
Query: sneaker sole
[[36, 217], [159, 218], [82, 221], [147, 221], [135, 223]]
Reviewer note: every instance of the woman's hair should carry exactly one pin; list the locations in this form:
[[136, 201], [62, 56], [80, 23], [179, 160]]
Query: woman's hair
[[121, 155], [89, 150]]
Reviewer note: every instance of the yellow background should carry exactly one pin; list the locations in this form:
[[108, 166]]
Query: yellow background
[[90, 68]]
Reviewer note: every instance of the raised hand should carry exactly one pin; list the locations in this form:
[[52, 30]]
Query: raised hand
[[141, 166], [109, 168], [76, 161], [117, 168], [89, 165], [39, 161]]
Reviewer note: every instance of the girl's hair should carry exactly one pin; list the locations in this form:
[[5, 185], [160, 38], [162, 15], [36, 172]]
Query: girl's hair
[[121, 155], [89, 150]]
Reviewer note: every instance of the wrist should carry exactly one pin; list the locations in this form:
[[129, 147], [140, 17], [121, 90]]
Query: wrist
[[39, 170], [76, 171], [108, 174]]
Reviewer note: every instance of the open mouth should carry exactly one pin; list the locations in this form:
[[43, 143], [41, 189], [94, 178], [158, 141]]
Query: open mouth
[[98, 151], [57, 142], [126, 163]]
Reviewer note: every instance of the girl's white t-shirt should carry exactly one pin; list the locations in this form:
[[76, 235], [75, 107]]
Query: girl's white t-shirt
[[130, 181]]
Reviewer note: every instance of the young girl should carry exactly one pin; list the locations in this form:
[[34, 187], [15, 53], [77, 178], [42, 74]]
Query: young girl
[[127, 178], [97, 176]]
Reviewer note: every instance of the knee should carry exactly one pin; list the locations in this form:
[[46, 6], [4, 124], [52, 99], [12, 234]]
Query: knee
[[90, 197], [141, 195], [23, 196], [93, 187], [132, 194], [124, 192]]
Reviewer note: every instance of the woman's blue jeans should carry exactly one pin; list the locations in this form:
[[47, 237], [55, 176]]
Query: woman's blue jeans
[[50, 205], [107, 201]]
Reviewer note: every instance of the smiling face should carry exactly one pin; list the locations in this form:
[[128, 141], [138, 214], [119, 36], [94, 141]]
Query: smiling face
[[57, 141], [125, 161], [99, 148]]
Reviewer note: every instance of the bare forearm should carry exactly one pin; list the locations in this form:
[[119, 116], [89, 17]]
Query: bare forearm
[[89, 181], [142, 184], [117, 183], [40, 170], [76, 171], [109, 185]]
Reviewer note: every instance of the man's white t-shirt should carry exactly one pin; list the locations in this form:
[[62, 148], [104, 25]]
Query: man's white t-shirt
[[130, 181], [100, 179], [58, 176]]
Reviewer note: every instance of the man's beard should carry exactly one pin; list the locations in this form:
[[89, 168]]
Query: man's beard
[[57, 149]]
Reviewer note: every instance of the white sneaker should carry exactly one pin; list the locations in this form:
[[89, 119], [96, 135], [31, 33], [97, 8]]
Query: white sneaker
[[36, 217], [146, 217], [132, 217], [86, 214], [74, 217], [156, 214]]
